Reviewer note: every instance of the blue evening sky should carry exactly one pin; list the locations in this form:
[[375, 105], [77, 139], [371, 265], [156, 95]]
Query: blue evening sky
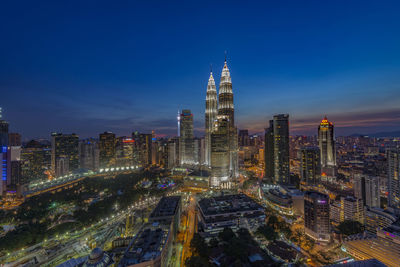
[[91, 66]]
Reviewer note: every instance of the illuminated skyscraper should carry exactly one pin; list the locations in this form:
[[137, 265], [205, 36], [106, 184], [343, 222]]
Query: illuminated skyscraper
[[393, 161], [142, 154], [66, 146], [269, 152], [186, 138], [5, 155], [107, 147], [226, 108], [326, 140], [316, 216], [220, 157], [89, 154], [310, 168], [211, 114], [281, 148]]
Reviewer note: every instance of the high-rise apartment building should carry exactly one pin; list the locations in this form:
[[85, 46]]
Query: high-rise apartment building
[[107, 147], [326, 142], [393, 169], [316, 216], [186, 138], [65, 146], [310, 165]]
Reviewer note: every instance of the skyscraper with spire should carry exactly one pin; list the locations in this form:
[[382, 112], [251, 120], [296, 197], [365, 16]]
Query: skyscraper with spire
[[211, 114], [228, 131]]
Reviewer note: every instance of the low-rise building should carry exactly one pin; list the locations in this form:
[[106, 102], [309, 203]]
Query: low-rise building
[[151, 247], [377, 218], [234, 211]]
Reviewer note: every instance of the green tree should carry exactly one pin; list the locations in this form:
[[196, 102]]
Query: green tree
[[226, 235], [349, 227], [267, 231]]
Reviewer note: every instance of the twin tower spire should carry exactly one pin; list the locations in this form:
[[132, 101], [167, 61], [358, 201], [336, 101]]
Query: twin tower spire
[[221, 105]]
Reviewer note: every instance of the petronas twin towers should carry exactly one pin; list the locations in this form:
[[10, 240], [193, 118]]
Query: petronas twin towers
[[221, 151]]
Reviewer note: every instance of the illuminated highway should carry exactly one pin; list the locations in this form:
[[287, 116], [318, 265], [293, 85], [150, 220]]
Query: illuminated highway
[[190, 228]]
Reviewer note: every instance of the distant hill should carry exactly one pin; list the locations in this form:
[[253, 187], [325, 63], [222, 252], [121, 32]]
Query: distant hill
[[380, 134]]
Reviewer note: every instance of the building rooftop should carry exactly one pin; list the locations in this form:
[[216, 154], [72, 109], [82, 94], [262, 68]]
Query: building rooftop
[[147, 245], [228, 204], [166, 207]]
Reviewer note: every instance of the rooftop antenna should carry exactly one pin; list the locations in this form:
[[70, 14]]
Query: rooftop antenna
[[211, 67], [225, 56]]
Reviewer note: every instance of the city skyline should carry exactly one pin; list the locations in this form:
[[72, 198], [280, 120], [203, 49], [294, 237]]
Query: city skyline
[[85, 74]]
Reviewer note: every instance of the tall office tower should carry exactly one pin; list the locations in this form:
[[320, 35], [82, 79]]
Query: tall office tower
[[107, 147], [316, 216], [220, 157], [202, 151], [35, 160], [3, 130], [226, 108], [186, 138], [359, 186], [372, 193], [143, 149], [310, 165], [269, 172], [155, 151], [89, 155], [65, 145], [244, 139], [5, 155], [14, 142], [211, 114], [14, 139], [281, 149], [326, 141], [393, 169], [124, 151], [172, 155]]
